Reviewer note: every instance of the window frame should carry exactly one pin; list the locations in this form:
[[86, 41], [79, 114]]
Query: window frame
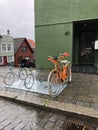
[[10, 59], [24, 48], [9, 48], [5, 47]]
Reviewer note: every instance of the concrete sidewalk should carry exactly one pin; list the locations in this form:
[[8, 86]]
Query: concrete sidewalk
[[80, 97]]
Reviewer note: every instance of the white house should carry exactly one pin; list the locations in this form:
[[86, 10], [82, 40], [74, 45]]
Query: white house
[[6, 49]]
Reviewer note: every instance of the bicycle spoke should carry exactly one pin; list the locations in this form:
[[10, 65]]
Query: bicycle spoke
[[9, 78], [22, 73], [29, 81], [60, 75], [54, 84]]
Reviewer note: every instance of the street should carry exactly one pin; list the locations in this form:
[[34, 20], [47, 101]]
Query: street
[[16, 116], [23, 117]]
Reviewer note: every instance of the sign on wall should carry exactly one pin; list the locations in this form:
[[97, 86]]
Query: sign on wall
[[96, 45]]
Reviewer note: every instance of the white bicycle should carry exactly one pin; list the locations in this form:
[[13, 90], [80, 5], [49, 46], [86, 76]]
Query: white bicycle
[[10, 76], [34, 75]]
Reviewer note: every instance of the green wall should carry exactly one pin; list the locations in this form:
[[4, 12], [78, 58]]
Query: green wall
[[56, 11], [51, 40], [52, 19]]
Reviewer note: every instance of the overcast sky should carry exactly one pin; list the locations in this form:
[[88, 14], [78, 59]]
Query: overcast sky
[[18, 17]]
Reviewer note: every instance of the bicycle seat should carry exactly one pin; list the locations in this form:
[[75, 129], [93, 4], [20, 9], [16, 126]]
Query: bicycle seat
[[64, 61], [55, 57]]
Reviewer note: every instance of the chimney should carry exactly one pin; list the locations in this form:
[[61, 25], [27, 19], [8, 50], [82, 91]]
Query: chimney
[[8, 32]]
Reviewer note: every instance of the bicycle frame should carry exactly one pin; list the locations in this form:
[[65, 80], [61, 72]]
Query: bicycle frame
[[60, 69], [60, 75], [35, 72], [16, 74]]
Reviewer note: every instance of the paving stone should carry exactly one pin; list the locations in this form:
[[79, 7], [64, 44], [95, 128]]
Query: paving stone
[[44, 129], [19, 126], [37, 128], [9, 127], [41, 124], [52, 119], [13, 124], [6, 122], [1, 127], [79, 103], [3, 118], [56, 128], [49, 125], [55, 117], [94, 105], [59, 123], [86, 104]]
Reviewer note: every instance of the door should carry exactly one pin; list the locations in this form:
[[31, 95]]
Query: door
[[86, 47], [5, 60], [19, 59]]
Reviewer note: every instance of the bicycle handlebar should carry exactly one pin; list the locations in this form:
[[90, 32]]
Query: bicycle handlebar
[[55, 58]]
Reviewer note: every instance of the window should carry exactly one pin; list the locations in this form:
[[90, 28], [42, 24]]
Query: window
[[9, 47], [3, 47], [6, 47], [24, 48], [9, 58]]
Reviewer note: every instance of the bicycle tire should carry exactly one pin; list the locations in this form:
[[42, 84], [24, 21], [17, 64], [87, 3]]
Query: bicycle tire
[[53, 84], [22, 73], [29, 81], [9, 78], [68, 72]]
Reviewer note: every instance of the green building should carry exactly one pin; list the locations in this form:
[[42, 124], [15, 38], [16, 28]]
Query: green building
[[66, 25]]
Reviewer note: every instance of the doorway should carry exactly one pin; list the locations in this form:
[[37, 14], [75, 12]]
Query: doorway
[[86, 47], [84, 35]]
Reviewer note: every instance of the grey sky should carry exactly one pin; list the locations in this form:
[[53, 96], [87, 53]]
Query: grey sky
[[18, 17]]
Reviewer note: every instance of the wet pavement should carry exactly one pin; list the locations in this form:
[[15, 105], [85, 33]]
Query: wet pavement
[[18, 116], [80, 97], [22, 117]]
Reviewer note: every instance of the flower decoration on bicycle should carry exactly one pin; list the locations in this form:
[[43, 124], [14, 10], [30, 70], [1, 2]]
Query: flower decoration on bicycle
[[60, 75]]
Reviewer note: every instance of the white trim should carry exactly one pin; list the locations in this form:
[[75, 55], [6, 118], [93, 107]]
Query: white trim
[[12, 58], [6, 47]]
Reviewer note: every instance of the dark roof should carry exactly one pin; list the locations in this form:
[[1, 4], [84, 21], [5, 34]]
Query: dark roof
[[17, 43]]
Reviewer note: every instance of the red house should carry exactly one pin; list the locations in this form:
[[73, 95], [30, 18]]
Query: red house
[[22, 50]]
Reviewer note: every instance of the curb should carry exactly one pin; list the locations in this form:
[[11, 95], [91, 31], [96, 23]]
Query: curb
[[29, 98]]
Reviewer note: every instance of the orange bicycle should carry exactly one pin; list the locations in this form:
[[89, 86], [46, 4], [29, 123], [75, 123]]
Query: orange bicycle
[[60, 75]]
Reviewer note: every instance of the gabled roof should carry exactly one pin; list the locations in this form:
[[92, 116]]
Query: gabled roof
[[31, 42], [18, 42]]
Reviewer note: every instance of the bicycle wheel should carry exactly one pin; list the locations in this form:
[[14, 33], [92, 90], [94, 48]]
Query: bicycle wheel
[[9, 78], [68, 73], [53, 83], [29, 81], [22, 73]]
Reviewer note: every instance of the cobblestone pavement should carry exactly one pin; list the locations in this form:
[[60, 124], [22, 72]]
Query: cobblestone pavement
[[81, 96], [82, 91], [16, 116]]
